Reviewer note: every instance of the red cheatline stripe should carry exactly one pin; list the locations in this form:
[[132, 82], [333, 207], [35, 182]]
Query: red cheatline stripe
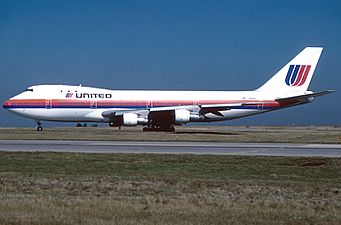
[[300, 75], [306, 72], [58, 102]]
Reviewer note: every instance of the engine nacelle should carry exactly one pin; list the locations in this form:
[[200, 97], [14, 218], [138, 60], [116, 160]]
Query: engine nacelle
[[127, 119], [181, 116]]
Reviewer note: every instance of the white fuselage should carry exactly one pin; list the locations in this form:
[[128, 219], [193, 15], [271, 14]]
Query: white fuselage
[[77, 103]]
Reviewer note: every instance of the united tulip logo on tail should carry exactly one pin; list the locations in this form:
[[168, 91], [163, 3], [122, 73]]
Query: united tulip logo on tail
[[297, 75]]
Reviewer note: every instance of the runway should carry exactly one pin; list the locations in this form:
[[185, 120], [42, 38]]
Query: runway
[[251, 149]]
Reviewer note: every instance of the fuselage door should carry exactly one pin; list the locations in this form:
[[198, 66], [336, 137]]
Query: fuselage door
[[149, 104], [260, 104], [48, 103], [93, 104]]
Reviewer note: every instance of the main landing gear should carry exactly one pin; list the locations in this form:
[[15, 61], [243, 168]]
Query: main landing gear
[[39, 126], [160, 128]]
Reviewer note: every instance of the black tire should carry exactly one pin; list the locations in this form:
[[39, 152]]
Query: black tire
[[146, 129]]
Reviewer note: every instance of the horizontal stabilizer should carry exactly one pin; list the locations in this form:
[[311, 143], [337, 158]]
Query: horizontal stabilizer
[[306, 97]]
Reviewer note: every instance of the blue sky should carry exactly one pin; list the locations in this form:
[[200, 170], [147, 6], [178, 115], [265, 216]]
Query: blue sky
[[172, 45]]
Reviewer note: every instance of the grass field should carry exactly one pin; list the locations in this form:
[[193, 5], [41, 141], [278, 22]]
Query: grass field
[[280, 134], [70, 188]]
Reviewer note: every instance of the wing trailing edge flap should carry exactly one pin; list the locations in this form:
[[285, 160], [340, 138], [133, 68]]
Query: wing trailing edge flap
[[216, 108], [303, 98], [203, 109]]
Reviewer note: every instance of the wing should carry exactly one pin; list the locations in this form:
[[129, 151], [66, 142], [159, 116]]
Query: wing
[[200, 109]]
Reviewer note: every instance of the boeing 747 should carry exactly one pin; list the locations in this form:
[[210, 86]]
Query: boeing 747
[[162, 110]]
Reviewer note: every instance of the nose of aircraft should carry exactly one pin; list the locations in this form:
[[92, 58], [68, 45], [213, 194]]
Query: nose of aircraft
[[6, 104]]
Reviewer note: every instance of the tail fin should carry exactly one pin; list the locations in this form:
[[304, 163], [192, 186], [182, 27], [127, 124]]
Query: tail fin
[[294, 78]]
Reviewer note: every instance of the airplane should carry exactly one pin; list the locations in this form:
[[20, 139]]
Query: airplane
[[160, 110]]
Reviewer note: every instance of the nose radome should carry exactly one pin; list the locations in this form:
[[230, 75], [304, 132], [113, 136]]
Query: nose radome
[[6, 104]]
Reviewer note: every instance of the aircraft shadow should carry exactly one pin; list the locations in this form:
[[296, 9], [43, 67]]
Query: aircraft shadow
[[206, 132]]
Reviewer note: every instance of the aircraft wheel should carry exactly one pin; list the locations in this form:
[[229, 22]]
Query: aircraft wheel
[[39, 128], [147, 129]]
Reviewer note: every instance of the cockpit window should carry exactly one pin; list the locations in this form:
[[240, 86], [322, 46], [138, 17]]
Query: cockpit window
[[29, 89]]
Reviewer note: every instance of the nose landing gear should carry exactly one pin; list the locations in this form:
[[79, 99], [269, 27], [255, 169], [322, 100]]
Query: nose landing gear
[[39, 126]]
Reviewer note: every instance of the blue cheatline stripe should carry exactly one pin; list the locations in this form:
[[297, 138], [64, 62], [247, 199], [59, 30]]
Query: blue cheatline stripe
[[287, 79], [99, 107], [73, 107], [293, 77]]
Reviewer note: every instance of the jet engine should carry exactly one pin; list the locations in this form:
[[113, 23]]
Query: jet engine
[[181, 116], [127, 119]]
